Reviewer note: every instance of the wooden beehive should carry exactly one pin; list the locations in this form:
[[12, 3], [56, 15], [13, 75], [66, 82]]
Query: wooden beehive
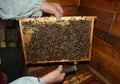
[[46, 40]]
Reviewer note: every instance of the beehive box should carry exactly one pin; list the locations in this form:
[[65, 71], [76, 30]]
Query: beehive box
[[46, 40]]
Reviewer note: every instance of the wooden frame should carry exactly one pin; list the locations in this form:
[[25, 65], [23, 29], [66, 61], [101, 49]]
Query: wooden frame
[[26, 39]]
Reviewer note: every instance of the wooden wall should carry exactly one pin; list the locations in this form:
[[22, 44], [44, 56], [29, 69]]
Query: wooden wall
[[106, 41]]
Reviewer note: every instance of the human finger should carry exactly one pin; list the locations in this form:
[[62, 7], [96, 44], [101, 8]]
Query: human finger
[[62, 76], [57, 14], [60, 9], [60, 68]]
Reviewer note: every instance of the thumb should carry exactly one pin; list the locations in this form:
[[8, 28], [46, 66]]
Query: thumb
[[60, 68]]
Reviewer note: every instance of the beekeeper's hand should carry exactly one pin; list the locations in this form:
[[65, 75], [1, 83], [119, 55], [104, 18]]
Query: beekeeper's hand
[[52, 8], [55, 76]]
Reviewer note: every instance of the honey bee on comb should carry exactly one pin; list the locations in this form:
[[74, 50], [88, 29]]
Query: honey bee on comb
[[57, 40]]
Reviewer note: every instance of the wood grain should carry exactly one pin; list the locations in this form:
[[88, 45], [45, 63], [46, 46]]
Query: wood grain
[[102, 14], [104, 4], [107, 63], [115, 30], [102, 25], [66, 2], [70, 11], [109, 38]]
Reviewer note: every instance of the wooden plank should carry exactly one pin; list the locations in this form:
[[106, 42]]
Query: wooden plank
[[109, 38], [101, 14], [107, 50], [102, 25], [22, 39], [97, 63], [105, 69], [118, 7], [112, 40], [97, 74], [99, 33], [105, 4], [54, 19], [116, 25], [109, 60], [117, 19], [66, 2], [70, 11], [115, 30]]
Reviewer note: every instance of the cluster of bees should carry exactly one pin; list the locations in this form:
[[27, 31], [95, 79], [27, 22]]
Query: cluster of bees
[[57, 40]]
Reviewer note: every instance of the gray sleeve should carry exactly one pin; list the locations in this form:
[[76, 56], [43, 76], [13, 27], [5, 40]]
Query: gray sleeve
[[12, 9], [28, 80]]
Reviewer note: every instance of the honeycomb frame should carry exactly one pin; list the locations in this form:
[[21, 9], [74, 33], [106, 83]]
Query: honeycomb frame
[[27, 38]]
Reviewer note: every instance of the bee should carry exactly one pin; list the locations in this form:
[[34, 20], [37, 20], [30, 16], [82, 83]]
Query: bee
[[52, 41]]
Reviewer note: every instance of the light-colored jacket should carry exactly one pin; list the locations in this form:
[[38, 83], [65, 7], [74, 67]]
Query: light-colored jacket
[[12, 9], [28, 80]]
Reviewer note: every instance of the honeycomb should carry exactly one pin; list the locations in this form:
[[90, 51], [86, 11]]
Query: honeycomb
[[56, 40]]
